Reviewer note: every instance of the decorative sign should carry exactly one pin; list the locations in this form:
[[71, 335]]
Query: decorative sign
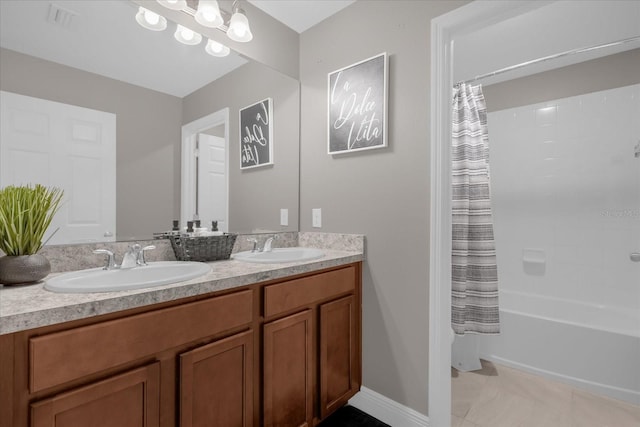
[[256, 135], [358, 106]]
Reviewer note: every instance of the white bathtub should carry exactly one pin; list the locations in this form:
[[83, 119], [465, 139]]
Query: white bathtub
[[592, 347]]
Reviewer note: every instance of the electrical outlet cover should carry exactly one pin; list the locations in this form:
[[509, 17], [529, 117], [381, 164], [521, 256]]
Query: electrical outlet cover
[[316, 218]]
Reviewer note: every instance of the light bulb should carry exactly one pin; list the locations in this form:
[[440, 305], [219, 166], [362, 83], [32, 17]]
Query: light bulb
[[187, 36], [151, 17], [150, 20], [240, 30], [214, 48]]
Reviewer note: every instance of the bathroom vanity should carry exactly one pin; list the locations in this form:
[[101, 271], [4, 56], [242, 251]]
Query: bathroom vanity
[[272, 345]]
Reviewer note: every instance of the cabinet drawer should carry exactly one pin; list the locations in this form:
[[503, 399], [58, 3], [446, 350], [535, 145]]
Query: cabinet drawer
[[297, 293], [64, 356]]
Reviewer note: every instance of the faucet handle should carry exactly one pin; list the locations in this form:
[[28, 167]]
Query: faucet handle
[[111, 262], [255, 244], [141, 260]]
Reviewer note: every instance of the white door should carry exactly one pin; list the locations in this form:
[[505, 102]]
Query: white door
[[212, 181], [70, 147]]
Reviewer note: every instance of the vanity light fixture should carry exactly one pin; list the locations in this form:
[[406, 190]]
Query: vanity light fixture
[[208, 14], [151, 20]]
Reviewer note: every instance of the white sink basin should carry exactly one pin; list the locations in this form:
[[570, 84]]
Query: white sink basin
[[280, 255], [100, 280]]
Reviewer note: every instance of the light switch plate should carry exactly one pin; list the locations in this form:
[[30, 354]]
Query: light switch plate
[[316, 217], [284, 216]]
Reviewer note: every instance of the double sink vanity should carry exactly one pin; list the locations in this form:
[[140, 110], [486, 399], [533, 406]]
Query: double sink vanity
[[262, 339]]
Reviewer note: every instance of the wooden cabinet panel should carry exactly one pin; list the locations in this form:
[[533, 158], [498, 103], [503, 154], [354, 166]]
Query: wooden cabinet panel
[[131, 399], [288, 382], [302, 292], [64, 356], [338, 354], [216, 383], [293, 359]]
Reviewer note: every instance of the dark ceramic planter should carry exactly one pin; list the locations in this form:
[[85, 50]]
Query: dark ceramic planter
[[21, 269]]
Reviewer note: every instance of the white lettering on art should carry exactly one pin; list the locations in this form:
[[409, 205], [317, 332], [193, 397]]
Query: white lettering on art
[[255, 135], [356, 113]]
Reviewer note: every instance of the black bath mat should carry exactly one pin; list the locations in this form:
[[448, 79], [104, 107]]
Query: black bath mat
[[348, 416]]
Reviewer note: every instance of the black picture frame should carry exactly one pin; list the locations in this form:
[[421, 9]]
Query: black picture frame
[[256, 134]]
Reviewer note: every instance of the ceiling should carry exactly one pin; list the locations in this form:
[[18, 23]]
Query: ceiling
[[300, 15], [103, 38]]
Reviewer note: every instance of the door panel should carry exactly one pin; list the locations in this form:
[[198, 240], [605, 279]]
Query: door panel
[[216, 383], [212, 181], [131, 399], [338, 354], [66, 146], [288, 372]]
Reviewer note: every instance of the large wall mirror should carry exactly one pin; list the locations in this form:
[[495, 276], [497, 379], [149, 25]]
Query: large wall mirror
[[94, 55]]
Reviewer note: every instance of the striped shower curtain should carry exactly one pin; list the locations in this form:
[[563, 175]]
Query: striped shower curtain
[[474, 274]]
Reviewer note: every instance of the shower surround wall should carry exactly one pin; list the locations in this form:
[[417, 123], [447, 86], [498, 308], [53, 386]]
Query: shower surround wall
[[566, 189], [566, 192]]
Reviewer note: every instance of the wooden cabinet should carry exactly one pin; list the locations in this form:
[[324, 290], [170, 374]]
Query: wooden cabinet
[[216, 383], [339, 354], [279, 353], [288, 371], [311, 359], [150, 368], [131, 399]]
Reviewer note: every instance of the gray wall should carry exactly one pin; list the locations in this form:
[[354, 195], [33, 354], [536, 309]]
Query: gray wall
[[382, 193], [609, 72], [256, 195], [147, 131]]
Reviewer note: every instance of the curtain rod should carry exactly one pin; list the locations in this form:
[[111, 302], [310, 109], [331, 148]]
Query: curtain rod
[[547, 58]]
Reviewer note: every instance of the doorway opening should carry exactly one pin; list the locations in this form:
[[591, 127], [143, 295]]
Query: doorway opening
[[205, 171]]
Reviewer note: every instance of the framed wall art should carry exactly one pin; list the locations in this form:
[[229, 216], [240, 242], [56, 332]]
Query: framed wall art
[[256, 135], [357, 106]]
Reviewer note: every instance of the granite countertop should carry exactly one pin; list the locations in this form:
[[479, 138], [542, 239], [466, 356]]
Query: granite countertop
[[32, 306]]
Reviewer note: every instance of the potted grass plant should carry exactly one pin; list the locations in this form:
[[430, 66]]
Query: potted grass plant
[[25, 215]]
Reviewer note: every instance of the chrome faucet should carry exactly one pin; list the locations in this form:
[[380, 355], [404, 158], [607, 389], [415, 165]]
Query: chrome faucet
[[130, 258], [267, 244], [134, 257], [265, 248]]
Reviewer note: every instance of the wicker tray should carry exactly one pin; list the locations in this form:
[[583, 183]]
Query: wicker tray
[[202, 248]]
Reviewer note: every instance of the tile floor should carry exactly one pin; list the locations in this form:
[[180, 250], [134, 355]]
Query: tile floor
[[497, 396]]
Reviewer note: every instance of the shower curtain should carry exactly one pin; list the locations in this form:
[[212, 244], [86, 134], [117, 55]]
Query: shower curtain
[[474, 273]]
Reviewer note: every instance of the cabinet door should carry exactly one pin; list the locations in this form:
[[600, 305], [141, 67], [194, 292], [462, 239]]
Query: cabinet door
[[216, 383], [131, 399], [288, 371], [338, 354]]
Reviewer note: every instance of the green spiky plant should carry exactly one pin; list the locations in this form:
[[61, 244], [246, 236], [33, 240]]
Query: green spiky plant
[[25, 214]]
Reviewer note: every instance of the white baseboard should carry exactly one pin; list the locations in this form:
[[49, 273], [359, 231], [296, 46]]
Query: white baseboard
[[387, 410]]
